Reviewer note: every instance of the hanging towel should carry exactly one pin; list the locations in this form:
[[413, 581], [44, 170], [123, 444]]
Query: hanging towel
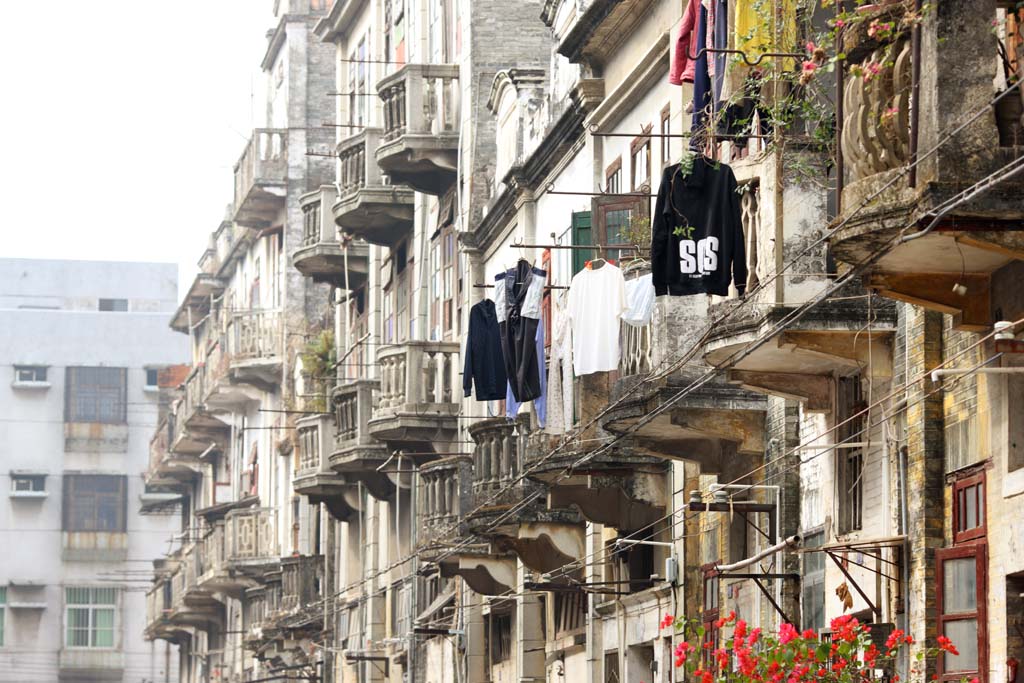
[[639, 301], [681, 69], [560, 373]]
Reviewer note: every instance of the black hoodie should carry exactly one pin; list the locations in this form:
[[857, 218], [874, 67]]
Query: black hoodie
[[484, 362], [710, 251]]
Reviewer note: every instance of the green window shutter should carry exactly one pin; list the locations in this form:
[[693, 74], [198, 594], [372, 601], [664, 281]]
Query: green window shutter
[[582, 233]]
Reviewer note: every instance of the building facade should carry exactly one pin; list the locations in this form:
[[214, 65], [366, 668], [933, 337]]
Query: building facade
[[832, 434], [79, 524]]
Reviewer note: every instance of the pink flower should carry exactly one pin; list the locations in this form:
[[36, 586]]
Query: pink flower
[[811, 47], [787, 633], [667, 621], [840, 23], [872, 69]]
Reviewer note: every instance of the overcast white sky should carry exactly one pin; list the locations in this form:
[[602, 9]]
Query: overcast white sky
[[121, 121]]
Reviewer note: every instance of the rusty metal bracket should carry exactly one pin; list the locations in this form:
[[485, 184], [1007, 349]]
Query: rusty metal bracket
[[767, 594], [856, 585]]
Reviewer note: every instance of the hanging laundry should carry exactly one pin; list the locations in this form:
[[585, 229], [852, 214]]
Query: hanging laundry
[[738, 119], [639, 300], [597, 299], [719, 39], [560, 371], [701, 84], [697, 242], [484, 364], [540, 405], [517, 299], [681, 69]]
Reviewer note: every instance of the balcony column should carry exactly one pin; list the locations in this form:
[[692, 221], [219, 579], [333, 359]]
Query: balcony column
[[592, 573], [529, 641], [376, 606], [476, 655]]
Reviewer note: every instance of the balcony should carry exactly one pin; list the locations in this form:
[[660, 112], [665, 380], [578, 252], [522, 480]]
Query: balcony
[[261, 178], [322, 256], [238, 551], [167, 469], [444, 497], [543, 538], [315, 478], [802, 359], [196, 303], [897, 217], [195, 430], [368, 208], [192, 605], [419, 147], [256, 348], [159, 603], [356, 454], [418, 399]]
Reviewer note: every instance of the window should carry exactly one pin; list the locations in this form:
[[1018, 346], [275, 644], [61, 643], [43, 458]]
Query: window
[[613, 216], [95, 502], [28, 483], [640, 160], [152, 378], [90, 616], [812, 594], [582, 233], [499, 637], [114, 305], [969, 508], [613, 176], [29, 373], [850, 461], [665, 130], [96, 395], [709, 614], [961, 583]]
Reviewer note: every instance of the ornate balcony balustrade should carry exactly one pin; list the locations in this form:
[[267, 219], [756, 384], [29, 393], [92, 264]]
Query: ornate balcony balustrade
[[444, 496], [316, 479], [418, 400], [356, 454], [368, 207], [251, 535], [261, 175], [421, 117], [301, 581], [256, 347], [322, 256]]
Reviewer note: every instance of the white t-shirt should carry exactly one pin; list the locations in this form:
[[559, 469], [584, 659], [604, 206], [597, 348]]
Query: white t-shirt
[[597, 299]]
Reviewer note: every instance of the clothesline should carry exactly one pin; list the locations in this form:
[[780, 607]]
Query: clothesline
[[483, 286]]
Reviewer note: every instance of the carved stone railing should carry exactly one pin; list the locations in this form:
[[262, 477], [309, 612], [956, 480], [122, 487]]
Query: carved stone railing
[[301, 581], [496, 461], [443, 498], [255, 335], [251, 534], [317, 221], [353, 408], [315, 438], [635, 357], [876, 101], [420, 99], [265, 159], [358, 166], [212, 552], [417, 373]]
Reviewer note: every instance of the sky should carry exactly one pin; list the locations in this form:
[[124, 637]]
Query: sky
[[121, 122]]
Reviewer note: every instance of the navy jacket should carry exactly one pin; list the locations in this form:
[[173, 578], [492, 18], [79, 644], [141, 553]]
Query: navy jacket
[[484, 362]]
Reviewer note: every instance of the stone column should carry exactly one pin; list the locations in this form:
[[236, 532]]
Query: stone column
[[528, 636]]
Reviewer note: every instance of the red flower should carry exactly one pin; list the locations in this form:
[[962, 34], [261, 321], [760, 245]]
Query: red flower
[[893, 639], [809, 635], [667, 620], [741, 629], [787, 633], [755, 634], [947, 645]]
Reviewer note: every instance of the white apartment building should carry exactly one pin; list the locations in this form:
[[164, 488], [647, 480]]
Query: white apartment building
[[86, 359]]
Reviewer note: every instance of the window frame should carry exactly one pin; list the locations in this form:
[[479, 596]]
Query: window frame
[[613, 173], [112, 305], [91, 609], [709, 615], [35, 370], [979, 551], [813, 579], [849, 498], [73, 384], [156, 376], [72, 519], [640, 144], [640, 206], [665, 130], [977, 482], [35, 478]]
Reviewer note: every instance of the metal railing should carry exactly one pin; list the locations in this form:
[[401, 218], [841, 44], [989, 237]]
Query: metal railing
[[255, 334]]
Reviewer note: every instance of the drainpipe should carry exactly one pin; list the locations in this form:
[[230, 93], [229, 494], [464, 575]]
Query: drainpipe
[[915, 92], [945, 372]]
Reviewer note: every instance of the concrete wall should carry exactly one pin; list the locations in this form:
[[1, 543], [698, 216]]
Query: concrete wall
[[33, 439]]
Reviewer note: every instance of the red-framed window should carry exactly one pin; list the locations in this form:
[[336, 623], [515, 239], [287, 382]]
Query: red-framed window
[[709, 613], [961, 578], [969, 508], [613, 176]]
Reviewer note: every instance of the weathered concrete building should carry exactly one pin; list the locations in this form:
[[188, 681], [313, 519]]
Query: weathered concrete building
[[839, 439], [89, 362]]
